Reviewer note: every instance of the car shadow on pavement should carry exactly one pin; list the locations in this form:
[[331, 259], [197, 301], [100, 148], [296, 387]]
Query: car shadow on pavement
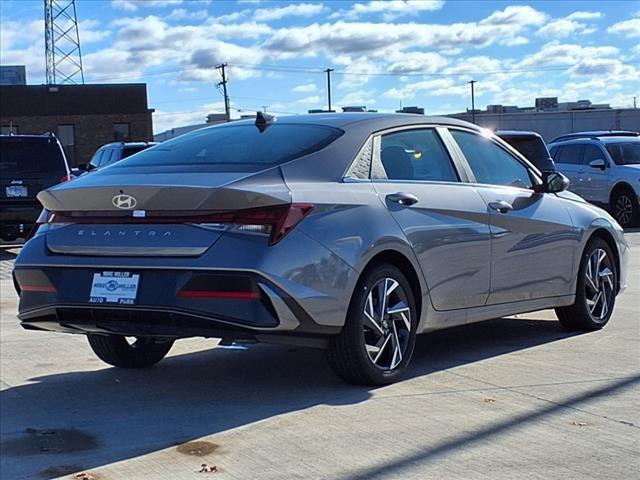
[[94, 418]]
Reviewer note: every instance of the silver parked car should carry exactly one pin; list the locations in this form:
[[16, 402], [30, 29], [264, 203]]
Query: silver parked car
[[604, 169], [352, 232]]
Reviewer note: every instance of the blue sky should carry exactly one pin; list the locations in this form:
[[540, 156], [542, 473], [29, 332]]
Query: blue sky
[[384, 52]]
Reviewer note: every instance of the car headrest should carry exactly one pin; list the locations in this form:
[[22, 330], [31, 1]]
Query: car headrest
[[397, 163]]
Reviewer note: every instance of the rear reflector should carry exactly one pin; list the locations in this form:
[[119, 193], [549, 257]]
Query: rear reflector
[[38, 288]]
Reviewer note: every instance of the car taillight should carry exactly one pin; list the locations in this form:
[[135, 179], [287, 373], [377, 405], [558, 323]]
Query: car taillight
[[66, 178], [42, 219], [276, 221]]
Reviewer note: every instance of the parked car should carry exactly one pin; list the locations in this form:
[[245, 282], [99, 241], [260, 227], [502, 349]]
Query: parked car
[[28, 164], [352, 232], [605, 170], [531, 145], [114, 152], [595, 133]]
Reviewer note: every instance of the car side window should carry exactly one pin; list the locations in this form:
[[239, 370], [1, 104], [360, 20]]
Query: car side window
[[591, 152], [490, 163], [110, 156], [97, 158], [416, 155], [569, 154]]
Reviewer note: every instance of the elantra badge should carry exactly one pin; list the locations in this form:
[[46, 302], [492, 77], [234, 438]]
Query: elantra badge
[[124, 201]]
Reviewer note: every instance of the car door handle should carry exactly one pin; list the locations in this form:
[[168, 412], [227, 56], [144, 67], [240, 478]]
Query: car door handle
[[402, 198], [501, 206]]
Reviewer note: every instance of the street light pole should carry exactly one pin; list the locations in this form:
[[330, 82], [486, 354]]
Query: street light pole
[[473, 102]]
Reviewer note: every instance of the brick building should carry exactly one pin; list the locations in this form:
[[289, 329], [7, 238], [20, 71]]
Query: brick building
[[83, 117]]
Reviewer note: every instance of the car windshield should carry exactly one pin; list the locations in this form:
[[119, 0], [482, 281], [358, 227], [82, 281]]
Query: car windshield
[[625, 153], [238, 148], [22, 157]]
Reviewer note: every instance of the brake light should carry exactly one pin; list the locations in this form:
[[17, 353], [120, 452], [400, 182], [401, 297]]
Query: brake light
[[277, 221], [65, 178]]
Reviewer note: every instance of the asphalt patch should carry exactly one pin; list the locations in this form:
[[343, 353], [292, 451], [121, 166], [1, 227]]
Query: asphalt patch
[[37, 442], [197, 449]]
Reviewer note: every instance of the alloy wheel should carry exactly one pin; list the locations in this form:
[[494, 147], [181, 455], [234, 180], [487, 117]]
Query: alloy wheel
[[599, 284], [387, 324], [624, 209]]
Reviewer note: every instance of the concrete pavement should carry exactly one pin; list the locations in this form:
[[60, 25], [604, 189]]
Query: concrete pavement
[[509, 398]]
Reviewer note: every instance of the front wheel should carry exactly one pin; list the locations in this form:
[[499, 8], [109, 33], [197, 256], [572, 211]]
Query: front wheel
[[120, 351], [377, 341], [596, 289]]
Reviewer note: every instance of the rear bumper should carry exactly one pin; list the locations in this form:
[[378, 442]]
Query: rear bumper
[[56, 299], [299, 289]]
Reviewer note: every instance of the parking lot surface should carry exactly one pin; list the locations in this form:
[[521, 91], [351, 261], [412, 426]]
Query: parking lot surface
[[508, 398]]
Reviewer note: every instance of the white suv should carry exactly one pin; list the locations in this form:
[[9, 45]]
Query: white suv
[[604, 169]]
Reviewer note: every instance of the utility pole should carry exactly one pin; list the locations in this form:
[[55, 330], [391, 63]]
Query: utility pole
[[224, 81], [264, 108], [634, 102], [473, 102], [329, 70]]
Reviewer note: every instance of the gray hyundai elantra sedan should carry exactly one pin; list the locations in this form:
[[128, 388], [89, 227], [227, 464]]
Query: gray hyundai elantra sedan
[[350, 232]]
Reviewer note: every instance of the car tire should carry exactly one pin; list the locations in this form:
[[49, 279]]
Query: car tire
[[375, 349], [117, 351], [624, 207], [596, 289]]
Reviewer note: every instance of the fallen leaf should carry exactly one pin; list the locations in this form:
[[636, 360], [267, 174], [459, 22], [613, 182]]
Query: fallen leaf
[[489, 400], [579, 424], [84, 476], [204, 468]]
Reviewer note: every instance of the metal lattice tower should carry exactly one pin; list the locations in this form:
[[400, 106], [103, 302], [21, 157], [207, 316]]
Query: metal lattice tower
[[62, 42]]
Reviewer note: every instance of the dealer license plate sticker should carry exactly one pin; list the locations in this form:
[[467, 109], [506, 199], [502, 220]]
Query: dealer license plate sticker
[[114, 287]]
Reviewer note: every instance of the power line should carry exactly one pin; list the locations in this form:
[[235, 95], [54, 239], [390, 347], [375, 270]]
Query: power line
[[311, 70]]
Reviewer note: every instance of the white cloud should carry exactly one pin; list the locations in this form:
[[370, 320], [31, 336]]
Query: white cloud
[[581, 15], [355, 38], [563, 27], [390, 9], [628, 28], [311, 100], [133, 5], [305, 88], [358, 97], [293, 10]]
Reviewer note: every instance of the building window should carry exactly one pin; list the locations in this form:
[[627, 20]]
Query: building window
[[7, 129], [67, 137], [121, 131]]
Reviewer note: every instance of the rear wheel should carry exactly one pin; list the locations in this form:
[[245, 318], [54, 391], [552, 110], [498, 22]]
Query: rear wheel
[[129, 352], [624, 207], [596, 289], [377, 341]]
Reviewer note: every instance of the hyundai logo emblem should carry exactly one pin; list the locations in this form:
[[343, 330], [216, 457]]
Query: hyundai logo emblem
[[125, 202]]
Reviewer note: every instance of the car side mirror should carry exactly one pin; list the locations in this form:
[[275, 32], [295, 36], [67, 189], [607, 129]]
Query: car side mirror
[[555, 182], [598, 163]]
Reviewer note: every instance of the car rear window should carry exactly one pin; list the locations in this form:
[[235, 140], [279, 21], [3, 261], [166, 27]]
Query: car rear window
[[128, 151], [532, 148], [237, 148], [625, 153], [23, 157]]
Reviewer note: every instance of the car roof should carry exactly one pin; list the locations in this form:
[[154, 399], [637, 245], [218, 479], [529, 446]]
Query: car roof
[[375, 121], [596, 134], [45, 137], [128, 144], [595, 140]]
